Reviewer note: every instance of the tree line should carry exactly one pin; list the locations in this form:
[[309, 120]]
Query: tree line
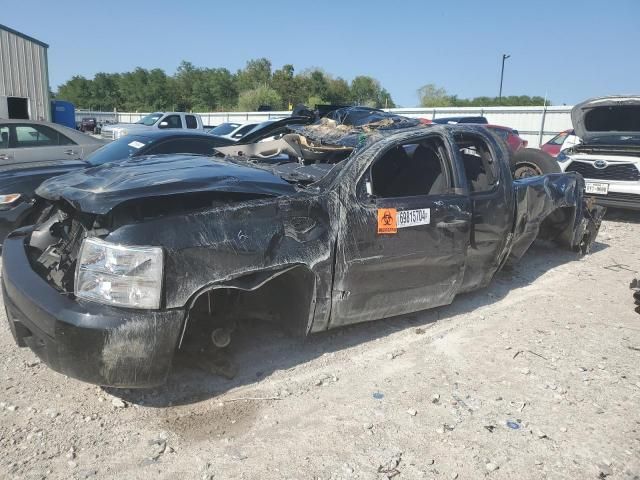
[[433, 96], [194, 88], [256, 85]]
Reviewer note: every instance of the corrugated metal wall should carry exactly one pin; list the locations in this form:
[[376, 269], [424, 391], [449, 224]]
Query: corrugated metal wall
[[23, 73], [535, 124]]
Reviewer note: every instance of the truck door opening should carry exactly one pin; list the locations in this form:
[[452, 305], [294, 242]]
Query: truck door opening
[[410, 170]]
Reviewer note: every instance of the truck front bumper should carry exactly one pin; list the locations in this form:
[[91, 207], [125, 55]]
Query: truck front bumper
[[91, 342]]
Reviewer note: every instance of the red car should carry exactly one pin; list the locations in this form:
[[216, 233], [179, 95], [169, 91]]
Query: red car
[[509, 135], [552, 147]]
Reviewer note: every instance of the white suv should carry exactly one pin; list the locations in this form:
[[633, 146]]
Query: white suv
[[608, 155]]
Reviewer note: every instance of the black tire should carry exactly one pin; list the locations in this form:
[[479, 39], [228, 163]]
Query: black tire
[[530, 162]]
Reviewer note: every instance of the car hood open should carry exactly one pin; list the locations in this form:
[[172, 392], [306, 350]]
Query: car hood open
[[607, 119], [99, 189]]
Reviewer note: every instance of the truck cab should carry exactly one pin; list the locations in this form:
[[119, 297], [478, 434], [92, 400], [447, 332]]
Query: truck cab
[[153, 121]]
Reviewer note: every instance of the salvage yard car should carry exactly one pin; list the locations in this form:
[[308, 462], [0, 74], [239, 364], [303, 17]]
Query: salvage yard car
[[232, 130], [608, 155], [23, 141], [357, 217], [554, 146]]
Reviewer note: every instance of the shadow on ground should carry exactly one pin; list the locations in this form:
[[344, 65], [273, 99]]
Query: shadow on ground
[[625, 216], [260, 349]]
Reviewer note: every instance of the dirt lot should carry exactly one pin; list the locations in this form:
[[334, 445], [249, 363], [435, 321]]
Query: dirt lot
[[537, 376]]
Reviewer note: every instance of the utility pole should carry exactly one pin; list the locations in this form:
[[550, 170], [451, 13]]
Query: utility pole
[[504, 57]]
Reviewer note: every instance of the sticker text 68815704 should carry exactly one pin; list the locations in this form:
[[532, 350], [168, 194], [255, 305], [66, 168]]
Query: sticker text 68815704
[[411, 218], [391, 219]]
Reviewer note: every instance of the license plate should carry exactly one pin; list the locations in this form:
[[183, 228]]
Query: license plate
[[597, 188]]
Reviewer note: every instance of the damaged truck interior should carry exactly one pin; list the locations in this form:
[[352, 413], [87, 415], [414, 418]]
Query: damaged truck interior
[[359, 216]]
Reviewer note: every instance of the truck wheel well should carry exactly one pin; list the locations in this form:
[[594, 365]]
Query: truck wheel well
[[285, 297], [558, 226]]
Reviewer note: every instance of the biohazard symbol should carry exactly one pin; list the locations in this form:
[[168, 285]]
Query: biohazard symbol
[[387, 220]]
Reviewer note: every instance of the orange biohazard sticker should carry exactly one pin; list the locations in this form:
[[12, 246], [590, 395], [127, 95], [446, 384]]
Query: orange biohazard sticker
[[387, 220]]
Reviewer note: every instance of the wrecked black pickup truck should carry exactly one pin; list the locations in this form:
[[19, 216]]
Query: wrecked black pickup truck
[[351, 219]]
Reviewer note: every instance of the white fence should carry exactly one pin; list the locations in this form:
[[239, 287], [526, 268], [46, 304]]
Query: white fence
[[535, 124]]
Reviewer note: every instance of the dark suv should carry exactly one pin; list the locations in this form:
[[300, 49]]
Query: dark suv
[[88, 124]]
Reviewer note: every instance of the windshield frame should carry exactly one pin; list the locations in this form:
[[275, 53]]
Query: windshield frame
[[232, 126], [150, 116]]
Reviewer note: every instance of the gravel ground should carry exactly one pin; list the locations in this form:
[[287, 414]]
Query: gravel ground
[[537, 376]]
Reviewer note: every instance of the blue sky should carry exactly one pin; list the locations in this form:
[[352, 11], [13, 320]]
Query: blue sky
[[567, 50]]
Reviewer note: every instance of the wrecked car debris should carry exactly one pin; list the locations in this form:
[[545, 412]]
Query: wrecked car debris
[[324, 227]]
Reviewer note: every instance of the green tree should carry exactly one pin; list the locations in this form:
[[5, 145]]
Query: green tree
[[313, 100], [185, 78], [132, 88], [433, 96], [251, 100], [257, 73], [367, 91], [209, 89], [287, 85], [214, 89], [511, 101], [77, 90], [317, 84], [105, 93], [385, 100], [338, 91], [160, 91]]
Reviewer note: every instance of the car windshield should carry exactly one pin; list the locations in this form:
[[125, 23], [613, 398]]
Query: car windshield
[[624, 118], [224, 128], [118, 149], [259, 126], [558, 139], [150, 119]]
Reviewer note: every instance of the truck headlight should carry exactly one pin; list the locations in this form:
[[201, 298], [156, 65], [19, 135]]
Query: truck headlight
[[122, 275]]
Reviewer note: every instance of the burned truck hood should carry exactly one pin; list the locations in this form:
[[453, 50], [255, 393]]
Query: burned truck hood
[[99, 189], [607, 120]]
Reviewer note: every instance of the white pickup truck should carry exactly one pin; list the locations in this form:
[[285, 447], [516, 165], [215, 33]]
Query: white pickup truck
[[157, 120]]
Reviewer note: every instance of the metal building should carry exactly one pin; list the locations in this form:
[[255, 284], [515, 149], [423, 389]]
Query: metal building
[[24, 76]]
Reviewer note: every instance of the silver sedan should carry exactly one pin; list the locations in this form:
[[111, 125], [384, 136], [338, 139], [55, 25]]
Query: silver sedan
[[33, 141]]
